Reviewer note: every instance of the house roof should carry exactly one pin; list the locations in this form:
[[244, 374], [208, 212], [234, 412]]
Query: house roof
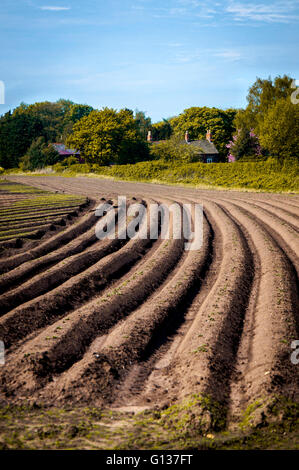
[[62, 150], [204, 146]]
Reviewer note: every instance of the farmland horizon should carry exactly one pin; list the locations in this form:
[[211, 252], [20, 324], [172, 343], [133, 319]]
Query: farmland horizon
[[149, 209], [160, 59]]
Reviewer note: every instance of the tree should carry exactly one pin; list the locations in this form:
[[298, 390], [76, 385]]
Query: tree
[[161, 130], [262, 95], [74, 113], [16, 134], [197, 121], [143, 123], [53, 121], [174, 150], [51, 115], [39, 155], [245, 144], [57, 118], [272, 115], [279, 129], [77, 112], [51, 156], [108, 136]]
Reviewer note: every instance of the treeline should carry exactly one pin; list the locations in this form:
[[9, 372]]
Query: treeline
[[270, 123], [268, 126], [46, 122]]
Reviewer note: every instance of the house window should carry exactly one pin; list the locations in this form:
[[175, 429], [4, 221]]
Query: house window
[[209, 160]]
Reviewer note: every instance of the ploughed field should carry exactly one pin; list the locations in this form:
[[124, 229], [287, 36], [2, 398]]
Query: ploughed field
[[140, 323]]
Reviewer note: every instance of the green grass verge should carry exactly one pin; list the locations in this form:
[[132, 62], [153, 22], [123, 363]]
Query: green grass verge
[[195, 423]]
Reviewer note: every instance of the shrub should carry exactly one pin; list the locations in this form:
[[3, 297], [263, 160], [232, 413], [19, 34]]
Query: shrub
[[270, 175], [69, 161], [174, 150], [39, 155]]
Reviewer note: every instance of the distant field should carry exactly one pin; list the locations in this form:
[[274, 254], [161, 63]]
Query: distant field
[[198, 342], [28, 213]]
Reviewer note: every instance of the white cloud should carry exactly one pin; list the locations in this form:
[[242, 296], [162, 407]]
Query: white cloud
[[258, 11], [202, 9], [54, 8], [191, 3], [203, 56], [178, 11], [228, 54], [277, 12]]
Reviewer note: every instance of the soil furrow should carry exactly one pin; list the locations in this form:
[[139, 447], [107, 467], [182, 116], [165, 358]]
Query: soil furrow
[[284, 233], [265, 367], [84, 223], [143, 332], [282, 215], [60, 273], [102, 313], [33, 267], [72, 293], [204, 361], [148, 323]]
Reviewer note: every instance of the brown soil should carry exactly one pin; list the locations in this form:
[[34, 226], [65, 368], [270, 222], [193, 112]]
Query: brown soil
[[139, 323]]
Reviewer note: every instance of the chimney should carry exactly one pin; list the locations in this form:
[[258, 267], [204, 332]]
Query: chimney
[[187, 138], [149, 136], [209, 135]]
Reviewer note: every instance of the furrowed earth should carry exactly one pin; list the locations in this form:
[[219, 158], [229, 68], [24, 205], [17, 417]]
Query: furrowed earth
[[138, 343]]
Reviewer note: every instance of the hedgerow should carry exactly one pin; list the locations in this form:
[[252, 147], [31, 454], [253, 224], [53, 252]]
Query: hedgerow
[[269, 175]]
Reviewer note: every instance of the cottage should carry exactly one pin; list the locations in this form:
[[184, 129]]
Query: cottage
[[206, 149], [65, 152]]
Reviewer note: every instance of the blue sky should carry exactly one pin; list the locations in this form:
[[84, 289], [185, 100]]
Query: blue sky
[[158, 56]]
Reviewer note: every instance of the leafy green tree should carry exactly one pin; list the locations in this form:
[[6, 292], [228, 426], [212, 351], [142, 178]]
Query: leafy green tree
[[72, 160], [161, 130], [143, 123], [279, 129], [272, 115], [53, 121], [77, 112], [51, 156], [65, 105], [39, 155], [245, 144], [74, 113], [262, 94], [197, 121], [108, 136], [16, 134], [57, 118], [34, 157], [51, 115]]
